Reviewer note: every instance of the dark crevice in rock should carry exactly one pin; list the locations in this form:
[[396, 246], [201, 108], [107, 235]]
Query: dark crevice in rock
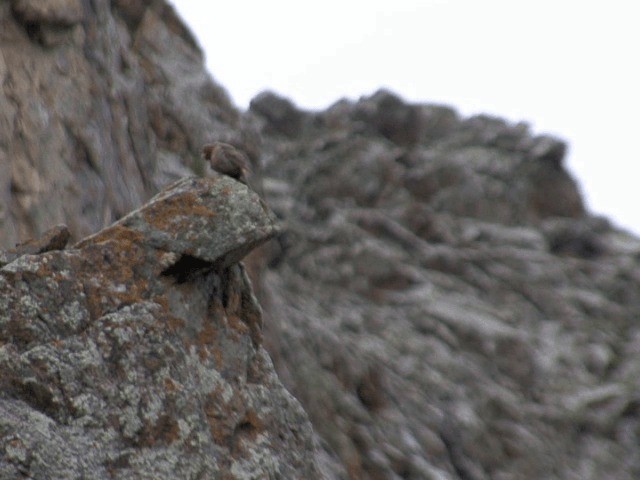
[[370, 390], [34, 31], [187, 268], [35, 393]]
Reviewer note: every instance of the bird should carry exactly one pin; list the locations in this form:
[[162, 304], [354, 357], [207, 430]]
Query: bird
[[227, 160]]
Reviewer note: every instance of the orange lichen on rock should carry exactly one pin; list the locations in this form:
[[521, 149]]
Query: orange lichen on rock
[[171, 211], [115, 232], [140, 331]]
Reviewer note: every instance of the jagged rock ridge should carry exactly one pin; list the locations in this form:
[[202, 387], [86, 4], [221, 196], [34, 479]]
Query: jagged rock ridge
[[442, 304]]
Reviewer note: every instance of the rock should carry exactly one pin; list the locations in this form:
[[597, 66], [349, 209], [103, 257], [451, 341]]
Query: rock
[[440, 301], [50, 23], [118, 361], [575, 237], [548, 149], [280, 113], [391, 117], [76, 145], [461, 267], [183, 218], [552, 191], [55, 12], [403, 123]]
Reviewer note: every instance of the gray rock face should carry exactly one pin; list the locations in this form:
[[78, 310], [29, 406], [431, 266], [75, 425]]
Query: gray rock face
[[443, 306], [137, 353], [439, 300]]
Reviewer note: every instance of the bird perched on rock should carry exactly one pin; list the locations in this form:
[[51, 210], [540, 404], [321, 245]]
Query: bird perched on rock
[[228, 160]]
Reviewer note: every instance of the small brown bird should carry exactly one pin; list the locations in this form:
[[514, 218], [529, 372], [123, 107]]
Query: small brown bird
[[228, 160]]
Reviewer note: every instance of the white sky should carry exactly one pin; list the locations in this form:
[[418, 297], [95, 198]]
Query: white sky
[[567, 67]]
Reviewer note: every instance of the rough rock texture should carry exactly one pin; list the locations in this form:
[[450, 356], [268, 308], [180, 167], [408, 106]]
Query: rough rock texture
[[441, 303], [101, 104], [438, 300], [137, 353]]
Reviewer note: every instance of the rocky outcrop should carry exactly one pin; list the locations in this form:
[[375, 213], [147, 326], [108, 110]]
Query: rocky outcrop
[[442, 304], [101, 105], [438, 299], [137, 353]]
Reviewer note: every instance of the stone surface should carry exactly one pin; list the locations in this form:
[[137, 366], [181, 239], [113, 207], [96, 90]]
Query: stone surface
[[442, 304], [50, 12], [121, 359], [185, 217], [101, 105], [439, 300]]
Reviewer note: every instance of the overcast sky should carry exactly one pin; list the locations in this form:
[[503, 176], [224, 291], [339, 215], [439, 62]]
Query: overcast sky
[[566, 67]]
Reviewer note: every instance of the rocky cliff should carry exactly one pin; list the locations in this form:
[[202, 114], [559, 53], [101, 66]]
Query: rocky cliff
[[137, 353], [436, 296], [103, 103], [441, 303]]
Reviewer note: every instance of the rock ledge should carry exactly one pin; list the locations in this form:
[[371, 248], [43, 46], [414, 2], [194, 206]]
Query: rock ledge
[[121, 359]]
